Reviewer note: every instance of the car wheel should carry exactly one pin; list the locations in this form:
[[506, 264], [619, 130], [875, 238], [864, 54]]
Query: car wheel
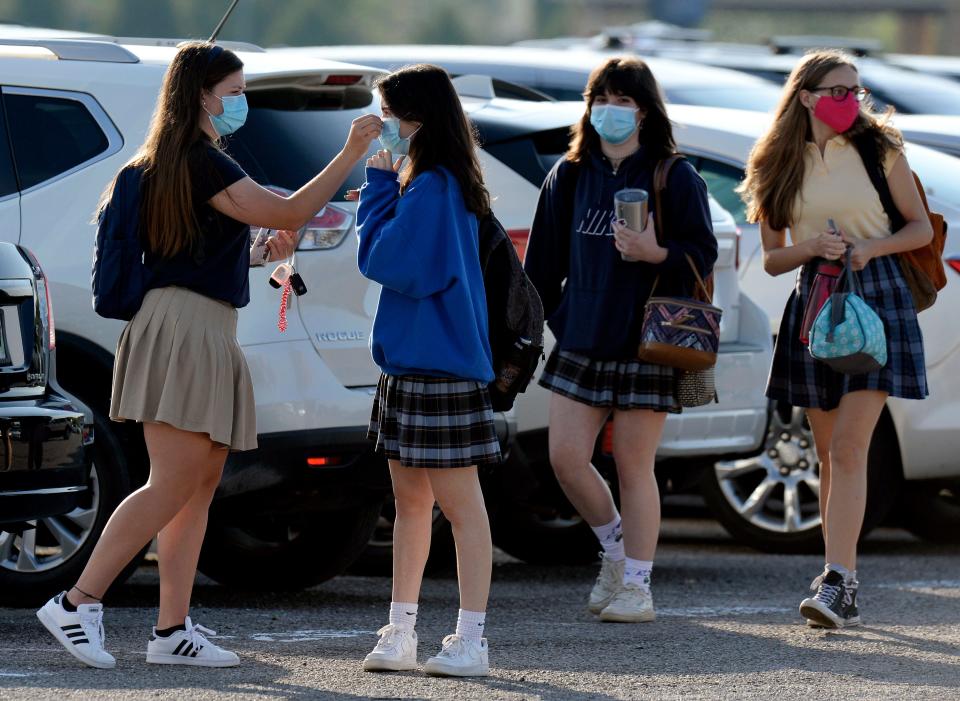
[[376, 560], [771, 501], [931, 510], [537, 524], [289, 551], [48, 557]]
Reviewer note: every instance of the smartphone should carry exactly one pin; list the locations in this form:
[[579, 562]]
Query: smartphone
[[832, 227], [258, 250]]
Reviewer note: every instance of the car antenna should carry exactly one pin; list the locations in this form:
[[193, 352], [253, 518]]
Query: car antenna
[[223, 21]]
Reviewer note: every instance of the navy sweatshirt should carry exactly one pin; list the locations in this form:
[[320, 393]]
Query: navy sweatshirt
[[423, 248], [592, 299]]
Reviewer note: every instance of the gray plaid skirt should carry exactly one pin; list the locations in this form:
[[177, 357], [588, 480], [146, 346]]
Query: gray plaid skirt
[[433, 422], [617, 384], [797, 378]]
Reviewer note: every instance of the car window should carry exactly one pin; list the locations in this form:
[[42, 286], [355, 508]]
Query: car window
[[722, 180], [8, 180], [50, 136], [756, 98]]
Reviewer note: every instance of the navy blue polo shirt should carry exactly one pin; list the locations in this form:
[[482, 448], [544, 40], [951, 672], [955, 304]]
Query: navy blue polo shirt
[[220, 267]]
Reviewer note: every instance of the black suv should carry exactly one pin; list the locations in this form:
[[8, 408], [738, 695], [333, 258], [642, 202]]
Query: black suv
[[49, 499]]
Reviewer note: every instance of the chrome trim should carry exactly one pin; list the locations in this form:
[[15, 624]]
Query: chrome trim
[[114, 138], [49, 490]]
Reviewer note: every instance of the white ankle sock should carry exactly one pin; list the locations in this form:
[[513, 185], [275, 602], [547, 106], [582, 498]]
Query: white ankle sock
[[638, 572], [470, 624], [402, 614], [611, 539]]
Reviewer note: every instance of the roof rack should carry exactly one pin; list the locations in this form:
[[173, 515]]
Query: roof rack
[[79, 49], [163, 41], [796, 44]]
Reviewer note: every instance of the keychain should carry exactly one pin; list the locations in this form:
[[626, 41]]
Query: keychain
[[286, 276]]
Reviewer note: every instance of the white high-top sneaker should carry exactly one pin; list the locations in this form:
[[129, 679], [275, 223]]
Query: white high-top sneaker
[[609, 582], [632, 604], [80, 632], [459, 658], [396, 651], [189, 647]]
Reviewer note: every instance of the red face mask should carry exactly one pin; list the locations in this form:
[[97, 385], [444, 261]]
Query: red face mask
[[839, 115]]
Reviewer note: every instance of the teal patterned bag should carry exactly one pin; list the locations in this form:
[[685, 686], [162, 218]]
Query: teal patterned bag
[[847, 334]]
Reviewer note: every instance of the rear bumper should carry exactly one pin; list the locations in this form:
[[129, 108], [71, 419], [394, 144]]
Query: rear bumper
[[317, 470], [44, 457]]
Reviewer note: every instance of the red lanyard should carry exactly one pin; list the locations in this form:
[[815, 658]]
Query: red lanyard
[[284, 300]]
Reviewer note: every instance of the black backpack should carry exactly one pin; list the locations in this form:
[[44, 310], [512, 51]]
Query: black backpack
[[514, 313], [120, 278]]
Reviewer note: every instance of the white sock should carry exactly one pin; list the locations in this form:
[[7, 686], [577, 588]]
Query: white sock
[[402, 614], [470, 624], [638, 572], [611, 539]]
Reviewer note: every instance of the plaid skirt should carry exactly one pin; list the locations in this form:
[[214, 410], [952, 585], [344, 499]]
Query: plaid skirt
[[617, 384], [797, 378], [433, 422]]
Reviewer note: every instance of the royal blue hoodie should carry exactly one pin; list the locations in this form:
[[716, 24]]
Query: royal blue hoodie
[[593, 300], [423, 248]]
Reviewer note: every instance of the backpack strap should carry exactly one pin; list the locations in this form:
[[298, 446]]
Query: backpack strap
[[869, 154]]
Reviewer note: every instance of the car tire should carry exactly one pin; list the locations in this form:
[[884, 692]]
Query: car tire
[[534, 521], [109, 485], [376, 560], [286, 552], [748, 496], [931, 510]]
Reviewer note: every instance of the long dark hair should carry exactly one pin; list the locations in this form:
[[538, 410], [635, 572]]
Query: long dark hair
[[775, 169], [168, 225], [633, 78], [424, 93]]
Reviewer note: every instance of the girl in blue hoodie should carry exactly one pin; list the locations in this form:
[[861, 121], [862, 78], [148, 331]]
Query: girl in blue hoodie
[[594, 303], [417, 223]]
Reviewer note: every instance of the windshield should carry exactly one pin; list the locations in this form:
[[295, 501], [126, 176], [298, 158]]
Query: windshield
[[288, 148]]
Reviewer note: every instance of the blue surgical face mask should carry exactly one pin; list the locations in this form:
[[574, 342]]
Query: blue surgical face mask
[[234, 114], [390, 137], [613, 123]]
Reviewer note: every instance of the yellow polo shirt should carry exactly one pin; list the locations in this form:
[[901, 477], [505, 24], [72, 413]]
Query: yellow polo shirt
[[836, 185]]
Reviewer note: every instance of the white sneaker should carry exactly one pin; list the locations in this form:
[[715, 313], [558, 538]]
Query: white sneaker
[[459, 658], [396, 651], [189, 647], [81, 633], [609, 582], [632, 604]]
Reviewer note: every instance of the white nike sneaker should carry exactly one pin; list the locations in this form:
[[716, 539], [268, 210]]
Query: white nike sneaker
[[81, 633], [459, 658], [396, 651], [609, 582], [632, 604], [189, 647]]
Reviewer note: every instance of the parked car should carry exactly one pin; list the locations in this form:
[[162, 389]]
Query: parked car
[[559, 74], [944, 66], [50, 486], [915, 441]]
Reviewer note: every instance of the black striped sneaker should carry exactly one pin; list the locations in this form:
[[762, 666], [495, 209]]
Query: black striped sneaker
[[81, 632], [189, 647]]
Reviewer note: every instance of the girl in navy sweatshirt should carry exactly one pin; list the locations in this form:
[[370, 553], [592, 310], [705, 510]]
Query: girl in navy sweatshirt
[[417, 224], [594, 303]]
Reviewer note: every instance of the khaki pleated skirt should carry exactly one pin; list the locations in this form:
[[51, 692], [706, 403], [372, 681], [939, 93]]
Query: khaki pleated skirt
[[178, 362]]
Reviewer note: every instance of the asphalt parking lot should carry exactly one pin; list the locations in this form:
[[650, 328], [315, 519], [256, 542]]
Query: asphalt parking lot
[[727, 628]]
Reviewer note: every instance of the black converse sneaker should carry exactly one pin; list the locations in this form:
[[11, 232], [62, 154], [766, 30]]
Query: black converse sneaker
[[80, 631], [834, 605]]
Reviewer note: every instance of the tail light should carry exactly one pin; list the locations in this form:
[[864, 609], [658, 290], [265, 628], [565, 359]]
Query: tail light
[[323, 461], [954, 263], [43, 295], [328, 228], [519, 238], [342, 79]]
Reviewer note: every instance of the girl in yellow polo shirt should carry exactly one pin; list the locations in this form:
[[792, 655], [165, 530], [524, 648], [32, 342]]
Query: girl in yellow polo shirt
[[806, 172]]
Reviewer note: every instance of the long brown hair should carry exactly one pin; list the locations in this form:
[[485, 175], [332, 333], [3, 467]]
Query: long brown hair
[[775, 169], [168, 225], [633, 78], [424, 93]]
